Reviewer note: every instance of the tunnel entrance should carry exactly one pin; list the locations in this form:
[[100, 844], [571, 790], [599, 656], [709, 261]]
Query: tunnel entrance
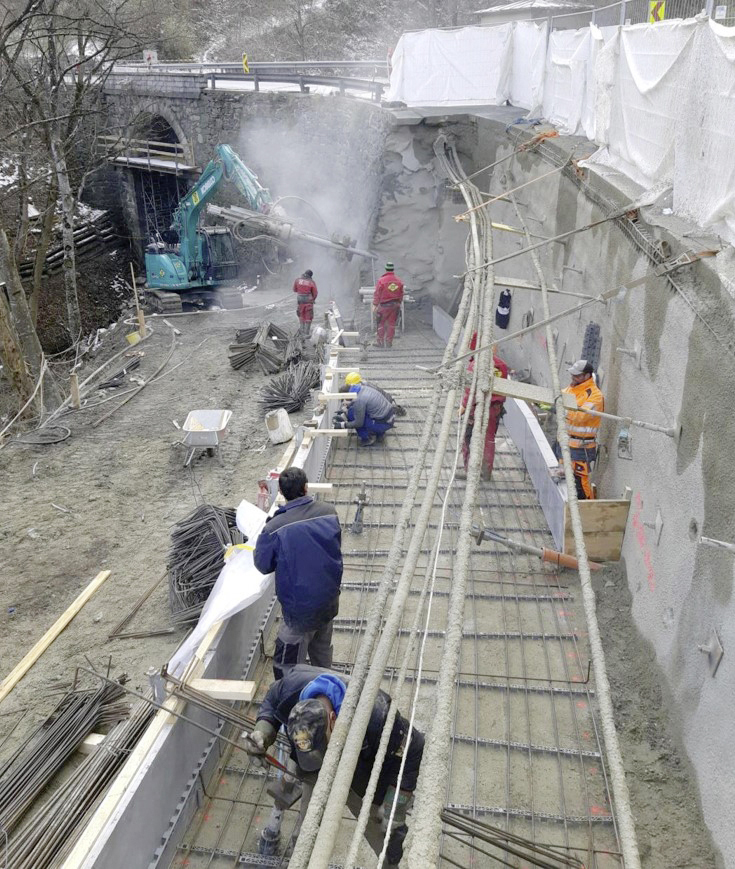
[[164, 172]]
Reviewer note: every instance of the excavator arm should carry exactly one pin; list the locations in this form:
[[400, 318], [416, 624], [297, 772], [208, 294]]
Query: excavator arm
[[225, 165]]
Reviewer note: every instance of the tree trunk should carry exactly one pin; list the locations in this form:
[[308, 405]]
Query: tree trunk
[[43, 245], [74, 318], [11, 353], [20, 313]]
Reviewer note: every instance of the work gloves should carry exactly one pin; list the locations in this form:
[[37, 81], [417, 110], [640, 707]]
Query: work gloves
[[398, 827], [339, 420], [259, 740]]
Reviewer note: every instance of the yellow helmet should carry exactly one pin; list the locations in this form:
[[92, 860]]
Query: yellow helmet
[[353, 378]]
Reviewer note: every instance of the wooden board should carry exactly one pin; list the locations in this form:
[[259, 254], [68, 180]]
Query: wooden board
[[225, 689], [603, 526], [530, 392], [30, 658]]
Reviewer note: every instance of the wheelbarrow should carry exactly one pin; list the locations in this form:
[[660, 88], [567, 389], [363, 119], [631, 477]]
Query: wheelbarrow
[[204, 430]]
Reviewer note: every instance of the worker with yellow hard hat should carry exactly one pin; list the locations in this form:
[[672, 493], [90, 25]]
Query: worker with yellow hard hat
[[371, 414]]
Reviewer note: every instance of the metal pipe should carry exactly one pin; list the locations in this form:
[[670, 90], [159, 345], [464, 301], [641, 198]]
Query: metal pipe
[[614, 758]]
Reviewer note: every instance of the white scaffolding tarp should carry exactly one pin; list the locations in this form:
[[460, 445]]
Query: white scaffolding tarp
[[464, 66], [644, 72], [659, 99], [704, 148], [527, 71]]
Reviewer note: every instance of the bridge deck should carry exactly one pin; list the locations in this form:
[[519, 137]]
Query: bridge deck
[[526, 755]]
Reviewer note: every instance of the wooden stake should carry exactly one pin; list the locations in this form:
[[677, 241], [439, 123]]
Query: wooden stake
[[74, 386], [17, 673]]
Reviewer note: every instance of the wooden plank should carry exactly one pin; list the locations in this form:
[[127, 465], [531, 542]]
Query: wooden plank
[[603, 526], [333, 432], [321, 487], [325, 396], [30, 658], [530, 392], [225, 689]]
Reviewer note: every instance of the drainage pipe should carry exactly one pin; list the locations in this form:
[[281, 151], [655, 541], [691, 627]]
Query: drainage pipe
[[628, 842]]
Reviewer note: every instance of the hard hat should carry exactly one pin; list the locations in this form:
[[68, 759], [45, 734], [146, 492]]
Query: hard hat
[[353, 378], [308, 273], [389, 266], [581, 366]]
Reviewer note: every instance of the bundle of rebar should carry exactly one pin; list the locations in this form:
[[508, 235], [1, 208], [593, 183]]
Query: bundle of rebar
[[47, 836], [268, 345], [28, 773], [198, 544], [290, 390]]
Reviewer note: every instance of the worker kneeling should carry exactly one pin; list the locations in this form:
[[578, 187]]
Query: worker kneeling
[[371, 414], [307, 702]]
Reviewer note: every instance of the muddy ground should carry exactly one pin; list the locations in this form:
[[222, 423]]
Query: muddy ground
[[107, 497]]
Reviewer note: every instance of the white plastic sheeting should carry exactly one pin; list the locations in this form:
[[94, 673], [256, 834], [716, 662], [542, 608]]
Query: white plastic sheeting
[[644, 72], [239, 584], [704, 156], [464, 66], [659, 99], [527, 71]]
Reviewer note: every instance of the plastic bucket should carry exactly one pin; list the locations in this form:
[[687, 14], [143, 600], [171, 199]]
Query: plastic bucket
[[279, 426]]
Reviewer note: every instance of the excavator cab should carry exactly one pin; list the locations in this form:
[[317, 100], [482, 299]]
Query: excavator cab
[[217, 254]]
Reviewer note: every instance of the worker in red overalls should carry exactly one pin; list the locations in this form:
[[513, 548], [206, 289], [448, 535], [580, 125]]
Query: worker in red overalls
[[496, 411], [386, 305], [306, 294]]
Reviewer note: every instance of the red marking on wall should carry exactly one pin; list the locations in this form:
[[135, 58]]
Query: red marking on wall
[[581, 704], [600, 811], [572, 656], [586, 735], [592, 770], [640, 536], [565, 614]]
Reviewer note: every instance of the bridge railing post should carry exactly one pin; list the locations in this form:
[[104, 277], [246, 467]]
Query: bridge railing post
[[256, 80]]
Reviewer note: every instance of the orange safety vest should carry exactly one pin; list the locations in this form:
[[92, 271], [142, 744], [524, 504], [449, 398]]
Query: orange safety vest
[[583, 427]]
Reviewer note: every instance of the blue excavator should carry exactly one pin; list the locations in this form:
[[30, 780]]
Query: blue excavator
[[194, 263]]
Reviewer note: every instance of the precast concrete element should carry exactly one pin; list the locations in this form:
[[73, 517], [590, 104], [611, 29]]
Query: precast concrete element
[[623, 810]]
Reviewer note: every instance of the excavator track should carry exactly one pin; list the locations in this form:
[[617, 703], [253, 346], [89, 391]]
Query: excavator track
[[159, 302]]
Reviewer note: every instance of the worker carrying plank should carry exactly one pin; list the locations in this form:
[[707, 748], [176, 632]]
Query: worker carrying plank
[[387, 300], [301, 542], [583, 427], [306, 702], [371, 414], [306, 293], [495, 414]]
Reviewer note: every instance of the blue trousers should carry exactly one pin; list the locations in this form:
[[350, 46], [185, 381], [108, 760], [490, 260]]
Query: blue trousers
[[370, 425]]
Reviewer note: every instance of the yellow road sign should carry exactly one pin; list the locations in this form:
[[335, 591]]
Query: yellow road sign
[[656, 11], [245, 66]]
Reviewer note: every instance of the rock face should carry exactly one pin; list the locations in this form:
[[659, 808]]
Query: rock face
[[416, 228]]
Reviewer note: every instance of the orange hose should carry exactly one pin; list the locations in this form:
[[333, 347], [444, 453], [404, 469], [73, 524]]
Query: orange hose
[[562, 560]]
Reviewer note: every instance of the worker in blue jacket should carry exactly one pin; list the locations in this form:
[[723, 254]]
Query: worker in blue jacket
[[371, 413], [306, 702], [301, 542]]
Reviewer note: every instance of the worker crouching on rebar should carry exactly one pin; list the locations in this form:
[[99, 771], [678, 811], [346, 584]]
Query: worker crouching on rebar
[[495, 414], [371, 413], [301, 542], [583, 427], [387, 300], [307, 702], [306, 293]]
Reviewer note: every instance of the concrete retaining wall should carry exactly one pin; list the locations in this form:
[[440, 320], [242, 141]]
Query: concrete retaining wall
[[681, 590]]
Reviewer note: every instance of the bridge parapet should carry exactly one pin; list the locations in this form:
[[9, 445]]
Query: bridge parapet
[[145, 83]]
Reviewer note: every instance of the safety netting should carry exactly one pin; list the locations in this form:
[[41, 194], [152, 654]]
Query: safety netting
[[658, 99]]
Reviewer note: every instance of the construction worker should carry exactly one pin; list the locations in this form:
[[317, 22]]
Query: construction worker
[[583, 427], [301, 542], [306, 702], [306, 294], [495, 412], [371, 414], [386, 305]]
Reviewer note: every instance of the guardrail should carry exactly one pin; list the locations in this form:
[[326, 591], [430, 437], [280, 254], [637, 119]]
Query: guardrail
[[305, 75]]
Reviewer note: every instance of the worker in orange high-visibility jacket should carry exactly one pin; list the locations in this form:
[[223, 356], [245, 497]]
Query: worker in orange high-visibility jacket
[[387, 300], [583, 427]]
